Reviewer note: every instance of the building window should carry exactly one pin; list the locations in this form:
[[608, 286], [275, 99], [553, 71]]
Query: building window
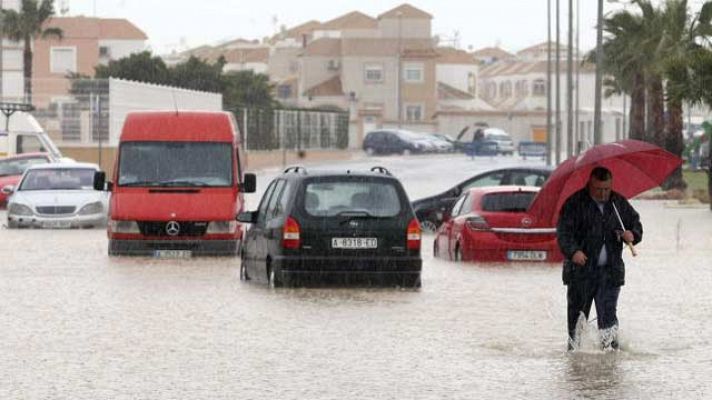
[[505, 89], [413, 73], [284, 91], [521, 88], [104, 51], [373, 73], [539, 87], [471, 83], [63, 60], [293, 67], [491, 90], [413, 112]]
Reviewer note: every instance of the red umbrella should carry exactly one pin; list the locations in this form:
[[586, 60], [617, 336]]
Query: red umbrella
[[636, 167]]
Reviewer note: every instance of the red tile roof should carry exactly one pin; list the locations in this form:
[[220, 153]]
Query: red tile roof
[[96, 28]]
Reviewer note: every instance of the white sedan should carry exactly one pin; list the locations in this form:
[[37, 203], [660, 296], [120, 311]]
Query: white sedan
[[57, 196]]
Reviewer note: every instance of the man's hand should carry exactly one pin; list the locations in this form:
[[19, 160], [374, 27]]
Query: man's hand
[[628, 237], [579, 258]]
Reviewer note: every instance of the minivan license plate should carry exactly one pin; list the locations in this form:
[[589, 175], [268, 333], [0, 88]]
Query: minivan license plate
[[354, 243], [526, 255], [172, 253]]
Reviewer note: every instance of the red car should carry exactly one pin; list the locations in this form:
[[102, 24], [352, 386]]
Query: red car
[[491, 224], [12, 168]]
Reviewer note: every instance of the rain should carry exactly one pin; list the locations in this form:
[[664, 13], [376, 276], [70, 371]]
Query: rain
[[169, 135]]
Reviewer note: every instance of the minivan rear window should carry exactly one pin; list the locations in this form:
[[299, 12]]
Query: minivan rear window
[[332, 198], [508, 202]]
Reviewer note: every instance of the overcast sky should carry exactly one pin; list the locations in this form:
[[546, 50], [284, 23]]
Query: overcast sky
[[511, 24]]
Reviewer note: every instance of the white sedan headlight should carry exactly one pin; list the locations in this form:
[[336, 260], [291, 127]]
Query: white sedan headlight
[[92, 208], [19, 209]]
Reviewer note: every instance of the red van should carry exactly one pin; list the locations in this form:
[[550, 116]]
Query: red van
[[178, 185]]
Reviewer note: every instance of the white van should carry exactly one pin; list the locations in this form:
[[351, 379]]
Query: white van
[[23, 134]]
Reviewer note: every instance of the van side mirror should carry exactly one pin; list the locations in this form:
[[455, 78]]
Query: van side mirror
[[99, 180], [248, 217], [249, 184], [8, 189]]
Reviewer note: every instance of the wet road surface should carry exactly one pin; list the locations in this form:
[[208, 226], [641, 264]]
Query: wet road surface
[[76, 324]]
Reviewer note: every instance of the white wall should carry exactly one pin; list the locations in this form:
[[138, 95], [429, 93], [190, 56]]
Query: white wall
[[456, 75], [126, 96], [123, 48]]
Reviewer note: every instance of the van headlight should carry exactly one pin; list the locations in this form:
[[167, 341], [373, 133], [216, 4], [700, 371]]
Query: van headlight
[[221, 227], [92, 208], [19, 209], [123, 226]]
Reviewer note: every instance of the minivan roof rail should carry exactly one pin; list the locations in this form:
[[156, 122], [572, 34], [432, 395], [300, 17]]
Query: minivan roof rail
[[381, 170], [295, 169]]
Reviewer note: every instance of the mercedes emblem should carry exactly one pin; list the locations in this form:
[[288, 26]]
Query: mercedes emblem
[[172, 228]]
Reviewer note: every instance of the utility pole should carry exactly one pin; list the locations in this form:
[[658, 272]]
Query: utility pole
[[597, 137], [2, 51], [577, 132], [548, 83], [570, 85], [558, 86], [398, 73]]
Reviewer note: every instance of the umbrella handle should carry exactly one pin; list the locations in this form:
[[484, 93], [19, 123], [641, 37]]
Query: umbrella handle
[[632, 249]]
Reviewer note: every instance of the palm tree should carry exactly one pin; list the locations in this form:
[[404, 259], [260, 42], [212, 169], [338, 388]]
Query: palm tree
[[27, 25], [686, 60], [624, 64]]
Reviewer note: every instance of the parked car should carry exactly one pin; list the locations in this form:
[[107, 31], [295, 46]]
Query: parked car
[[57, 195], [328, 227], [531, 149], [491, 224], [12, 168], [441, 142], [430, 210], [505, 145], [393, 142]]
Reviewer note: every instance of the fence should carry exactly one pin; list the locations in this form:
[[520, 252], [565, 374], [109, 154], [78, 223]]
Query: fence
[[293, 129]]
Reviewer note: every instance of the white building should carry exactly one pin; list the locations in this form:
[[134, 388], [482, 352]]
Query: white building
[[12, 87]]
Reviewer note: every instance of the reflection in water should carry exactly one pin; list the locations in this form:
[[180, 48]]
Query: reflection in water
[[592, 373], [77, 324]]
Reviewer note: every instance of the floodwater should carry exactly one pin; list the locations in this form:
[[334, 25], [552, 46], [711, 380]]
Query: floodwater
[[76, 324]]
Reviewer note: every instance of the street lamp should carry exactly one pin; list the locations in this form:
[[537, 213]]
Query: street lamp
[[597, 137], [399, 14]]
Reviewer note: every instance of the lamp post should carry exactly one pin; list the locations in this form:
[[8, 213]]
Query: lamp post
[[570, 85], [399, 72], [557, 120], [597, 137], [548, 83]]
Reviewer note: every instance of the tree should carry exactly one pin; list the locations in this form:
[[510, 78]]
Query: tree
[[685, 62], [247, 89], [140, 67], [26, 26], [197, 74]]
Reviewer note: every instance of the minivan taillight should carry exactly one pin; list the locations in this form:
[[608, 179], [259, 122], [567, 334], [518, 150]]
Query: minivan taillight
[[477, 223], [413, 235], [290, 234]]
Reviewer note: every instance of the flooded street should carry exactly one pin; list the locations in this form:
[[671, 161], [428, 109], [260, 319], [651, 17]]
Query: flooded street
[[76, 324]]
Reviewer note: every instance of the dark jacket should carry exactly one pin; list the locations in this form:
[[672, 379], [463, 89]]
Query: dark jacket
[[583, 227]]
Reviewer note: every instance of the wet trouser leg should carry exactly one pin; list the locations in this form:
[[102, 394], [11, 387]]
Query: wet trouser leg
[[606, 299], [579, 296]]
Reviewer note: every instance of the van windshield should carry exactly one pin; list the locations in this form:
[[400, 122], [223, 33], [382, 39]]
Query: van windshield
[[203, 164], [332, 198]]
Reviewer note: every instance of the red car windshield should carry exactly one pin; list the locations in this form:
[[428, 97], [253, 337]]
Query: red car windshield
[[17, 166], [507, 202]]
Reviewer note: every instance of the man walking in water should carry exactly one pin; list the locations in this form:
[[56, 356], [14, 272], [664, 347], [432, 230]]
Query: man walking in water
[[591, 239]]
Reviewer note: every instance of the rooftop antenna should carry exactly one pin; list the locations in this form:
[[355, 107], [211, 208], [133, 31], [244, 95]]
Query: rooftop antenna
[[175, 101]]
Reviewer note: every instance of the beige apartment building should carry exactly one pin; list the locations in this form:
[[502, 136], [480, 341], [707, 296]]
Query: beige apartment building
[[86, 42], [383, 69]]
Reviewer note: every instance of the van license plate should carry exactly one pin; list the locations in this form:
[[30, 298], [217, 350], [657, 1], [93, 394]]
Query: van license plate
[[526, 255], [354, 243], [172, 253]]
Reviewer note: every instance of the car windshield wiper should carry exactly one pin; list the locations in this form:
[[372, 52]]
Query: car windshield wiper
[[140, 183]]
